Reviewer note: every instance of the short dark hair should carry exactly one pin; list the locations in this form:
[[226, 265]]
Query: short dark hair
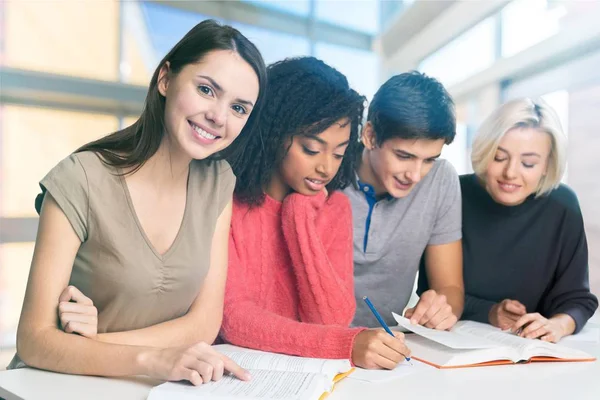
[[305, 96], [412, 105]]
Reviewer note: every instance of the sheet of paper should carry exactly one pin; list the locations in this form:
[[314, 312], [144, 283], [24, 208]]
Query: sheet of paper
[[273, 385], [453, 340], [254, 359], [402, 370]]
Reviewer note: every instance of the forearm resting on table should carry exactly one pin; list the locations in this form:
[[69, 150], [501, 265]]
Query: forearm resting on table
[[177, 332], [54, 350]]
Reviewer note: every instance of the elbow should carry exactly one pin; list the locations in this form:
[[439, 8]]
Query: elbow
[[29, 342]]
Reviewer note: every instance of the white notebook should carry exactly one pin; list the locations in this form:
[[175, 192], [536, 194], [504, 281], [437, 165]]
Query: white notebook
[[274, 376], [471, 344]]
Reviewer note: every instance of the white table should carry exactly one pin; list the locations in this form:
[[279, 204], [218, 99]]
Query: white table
[[543, 381]]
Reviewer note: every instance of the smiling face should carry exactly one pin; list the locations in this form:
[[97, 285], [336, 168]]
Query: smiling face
[[311, 161], [398, 164], [518, 165], [208, 103]]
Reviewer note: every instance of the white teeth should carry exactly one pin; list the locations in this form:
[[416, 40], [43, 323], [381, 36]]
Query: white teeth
[[203, 133], [315, 181]]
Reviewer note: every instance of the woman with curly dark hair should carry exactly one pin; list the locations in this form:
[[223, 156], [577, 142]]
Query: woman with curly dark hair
[[290, 285]]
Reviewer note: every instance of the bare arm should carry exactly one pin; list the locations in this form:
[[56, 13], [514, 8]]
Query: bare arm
[[442, 305], [203, 320], [40, 343], [444, 266]]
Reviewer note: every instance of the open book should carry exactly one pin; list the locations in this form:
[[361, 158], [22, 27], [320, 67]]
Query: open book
[[274, 376], [471, 344]]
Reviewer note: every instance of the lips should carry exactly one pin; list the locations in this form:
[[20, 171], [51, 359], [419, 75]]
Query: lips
[[508, 187], [401, 184], [204, 134], [315, 184]]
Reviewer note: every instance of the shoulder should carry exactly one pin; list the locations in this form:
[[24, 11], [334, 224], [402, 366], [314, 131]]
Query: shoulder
[[442, 176], [337, 199], [467, 182], [217, 169], [337, 205], [564, 198]]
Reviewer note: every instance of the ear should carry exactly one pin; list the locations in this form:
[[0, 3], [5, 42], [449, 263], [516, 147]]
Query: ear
[[368, 137], [163, 78]]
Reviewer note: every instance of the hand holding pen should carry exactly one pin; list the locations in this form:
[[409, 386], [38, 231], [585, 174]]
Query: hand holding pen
[[379, 349]]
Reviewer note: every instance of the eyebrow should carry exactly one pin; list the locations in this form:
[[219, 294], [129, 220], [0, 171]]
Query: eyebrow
[[406, 153], [524, 154], [220, 89], [318, 139]]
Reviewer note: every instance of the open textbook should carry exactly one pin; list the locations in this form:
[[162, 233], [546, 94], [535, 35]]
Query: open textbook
[[471, 344], [274, 376]]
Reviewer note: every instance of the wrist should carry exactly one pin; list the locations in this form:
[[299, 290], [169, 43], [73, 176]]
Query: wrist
[[565, 323], [491, 314], [144, 361]]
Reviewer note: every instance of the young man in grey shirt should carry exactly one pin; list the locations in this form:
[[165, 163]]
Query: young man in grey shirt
[[406, 204]]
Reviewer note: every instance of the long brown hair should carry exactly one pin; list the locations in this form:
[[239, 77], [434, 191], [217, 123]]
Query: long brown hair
[[131, 147]]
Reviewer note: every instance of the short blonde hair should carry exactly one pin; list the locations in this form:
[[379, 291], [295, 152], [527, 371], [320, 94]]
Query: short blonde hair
[[522, 113]]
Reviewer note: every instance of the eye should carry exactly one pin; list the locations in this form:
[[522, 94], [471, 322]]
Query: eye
[[431, 160], [499, 159], [239, 109], [402, 156], [207, 90], [309, 151], [528, 165], [338, 156]]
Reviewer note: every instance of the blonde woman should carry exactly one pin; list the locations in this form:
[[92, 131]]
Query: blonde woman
[[524, 244]]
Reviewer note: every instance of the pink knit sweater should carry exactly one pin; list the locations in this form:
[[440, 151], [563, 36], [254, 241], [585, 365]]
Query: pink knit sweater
[[290, 285]]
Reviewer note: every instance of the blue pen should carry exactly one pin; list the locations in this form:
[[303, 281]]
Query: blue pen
[[381, 321]]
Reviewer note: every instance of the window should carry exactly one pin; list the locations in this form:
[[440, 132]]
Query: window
[[360, 67], [362, 15], [15, 259], [34, 140], [76, 38], [166, 26], [298, 7], [471, 52], [528, 22], [275, 46]]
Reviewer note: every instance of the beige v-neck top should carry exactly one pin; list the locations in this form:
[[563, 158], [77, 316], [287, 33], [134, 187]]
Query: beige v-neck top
[[130, 283]]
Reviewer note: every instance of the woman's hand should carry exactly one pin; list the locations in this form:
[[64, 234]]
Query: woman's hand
[[199, 363], [77, 313], [377, 349], [503, 315], [536, 326]]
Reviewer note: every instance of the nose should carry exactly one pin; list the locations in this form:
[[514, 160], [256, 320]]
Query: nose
[[414, 174], [217, 114], [510, 170], [325, 166]]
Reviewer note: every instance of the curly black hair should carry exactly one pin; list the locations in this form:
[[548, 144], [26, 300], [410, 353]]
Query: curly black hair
[[305, 96]]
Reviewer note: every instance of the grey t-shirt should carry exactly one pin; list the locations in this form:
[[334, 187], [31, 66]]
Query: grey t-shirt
[[399, 232]]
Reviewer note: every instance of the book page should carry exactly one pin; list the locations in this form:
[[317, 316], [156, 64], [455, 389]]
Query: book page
[[452, 339], [275, 385], [494, 334], [526, 348], [259, 360]]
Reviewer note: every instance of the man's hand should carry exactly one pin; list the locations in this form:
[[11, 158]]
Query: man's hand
[[432, 311]]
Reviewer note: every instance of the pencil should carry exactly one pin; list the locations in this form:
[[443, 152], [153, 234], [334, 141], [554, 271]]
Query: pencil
[[381, 321]]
